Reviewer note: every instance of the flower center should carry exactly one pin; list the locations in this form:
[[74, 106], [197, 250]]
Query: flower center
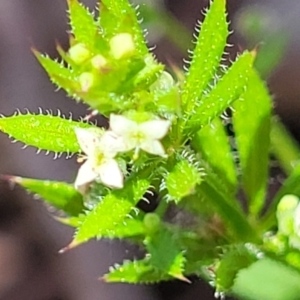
[[139, 136], [98, 159]]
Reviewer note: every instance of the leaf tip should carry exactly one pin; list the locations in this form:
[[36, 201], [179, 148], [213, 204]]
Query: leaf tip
[[102, 279], [11, 178], [182, 278], [72, 245], [254, 52], [35, 51]]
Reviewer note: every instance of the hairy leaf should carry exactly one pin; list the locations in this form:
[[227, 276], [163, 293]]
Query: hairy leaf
[[251, 121], [111, 211], [227, 90], [207, 54], [60, 75], [59, 194], [165, 254], [46, 132], [128, 228], [140, 271], [213, 144], [182, 180], [237, 257], [83, 24]]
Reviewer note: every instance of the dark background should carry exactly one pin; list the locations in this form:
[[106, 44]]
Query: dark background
[[30, 266]]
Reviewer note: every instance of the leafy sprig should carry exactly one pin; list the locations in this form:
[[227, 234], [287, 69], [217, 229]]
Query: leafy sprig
[[168, 138]]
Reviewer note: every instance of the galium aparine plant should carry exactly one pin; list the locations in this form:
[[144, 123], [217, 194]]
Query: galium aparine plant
[[166, 135]]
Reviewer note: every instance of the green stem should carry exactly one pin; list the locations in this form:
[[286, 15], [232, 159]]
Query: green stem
[[162, 207], [237, 221]]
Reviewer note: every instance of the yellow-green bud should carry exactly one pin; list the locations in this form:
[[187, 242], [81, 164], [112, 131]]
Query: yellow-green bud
[[152, 223], [122, 45], [86, 80], [164, 82], [98, 62], [79, 53], [288, 202], [286, 214]]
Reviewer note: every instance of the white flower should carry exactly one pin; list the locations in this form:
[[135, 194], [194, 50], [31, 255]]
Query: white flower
[[138, 136], [100, 149]]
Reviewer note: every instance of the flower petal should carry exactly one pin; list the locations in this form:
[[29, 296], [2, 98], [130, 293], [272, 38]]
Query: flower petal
[[88, 139], [127, 144], [153, 147], [84, 177], [110, 144], [110, 174], [155, 129], [121, 125]]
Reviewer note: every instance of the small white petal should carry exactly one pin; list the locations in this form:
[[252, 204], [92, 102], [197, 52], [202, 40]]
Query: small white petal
[[88, 139], [110, 144], [127, 144], [84, 177], [155, 129], [153, 147], [110, 174], [121, 125]]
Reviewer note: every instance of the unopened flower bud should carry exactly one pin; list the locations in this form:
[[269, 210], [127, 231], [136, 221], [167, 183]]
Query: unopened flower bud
[[122, 45], [98, 62], [286, 214], [86, 81], [164, 82], [287, 203], [152, 223], [79, 53]]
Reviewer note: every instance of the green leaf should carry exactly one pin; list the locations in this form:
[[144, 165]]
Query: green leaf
[[237, 257], [59, 194], [251, 121], [83, 24], [140, 271], [219, 156], [289, 155], [102, 220], [165, 255], [118, 16], [267, 279], [182, 180], [60, 75], [128, 228], [227, 90], [46, 132], [111, 211], [72, 221], [224, 207], [290, 186], [207, 54]]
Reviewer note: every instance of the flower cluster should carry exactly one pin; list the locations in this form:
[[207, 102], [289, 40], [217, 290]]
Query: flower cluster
[[101, 148]]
